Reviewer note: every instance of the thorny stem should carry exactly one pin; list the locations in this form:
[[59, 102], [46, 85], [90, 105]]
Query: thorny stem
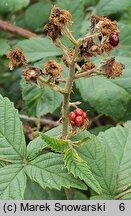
[[42, 120], [63, 49], [95, 71], [69, 35], [52, 85], [68, 89], [69, 193], [122, 194], [8, 27]]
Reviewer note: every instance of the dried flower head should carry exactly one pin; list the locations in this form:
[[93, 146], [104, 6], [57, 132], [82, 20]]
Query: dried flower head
[[59, 17], [106, 46], [94, 20], [31, 74], [16, 58], [53, 31], [53, 69], [87, 66], [106, 27], [89, 48], [112, 68]]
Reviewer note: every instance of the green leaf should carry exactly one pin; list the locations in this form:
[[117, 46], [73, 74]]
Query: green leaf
[[4, 47], [12, 5], [100, 197], [38, 48], [124, 48], [100, 160], [76, 8], [35, 192], [79, 195], [109, 157], [97, 130], [55, 132], [35, 148], [40, 101], [118, 141], [43, 10], [48, 171], [106, 7], [105, 96], [55, 144], [12, 141], [12, 182], [126, 197], [79, 168]]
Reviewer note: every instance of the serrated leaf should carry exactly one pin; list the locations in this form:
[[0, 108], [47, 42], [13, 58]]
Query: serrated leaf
[[101, 162], [79, 168], [105, 96], [55, 144], [4, 47], [35, 192], [40, 101], [12, 141], [105, 7], [35, 147], [48, 171], [12, 182], [37, 48], [12, 5], [118, 140], [109, 157]]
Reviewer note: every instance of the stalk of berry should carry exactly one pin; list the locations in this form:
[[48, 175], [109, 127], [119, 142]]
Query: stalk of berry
[[77, 118]]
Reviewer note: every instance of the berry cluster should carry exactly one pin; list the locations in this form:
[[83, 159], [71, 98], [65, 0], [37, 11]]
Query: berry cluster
[[77, 117]]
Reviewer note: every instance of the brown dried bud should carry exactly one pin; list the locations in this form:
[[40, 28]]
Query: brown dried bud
[[31, 74], [106, 46], [106, 27], [53, 31], [53, 68], [89, 48], [16, 58], [59, 17], [70, 54], [113, 69], [94, 20], [88, 66]]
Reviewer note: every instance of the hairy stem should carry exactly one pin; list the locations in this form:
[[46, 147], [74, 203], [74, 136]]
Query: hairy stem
[[8, 27], [42, 120], [69, 193], [69, 35], [68, 89], [52, 85]]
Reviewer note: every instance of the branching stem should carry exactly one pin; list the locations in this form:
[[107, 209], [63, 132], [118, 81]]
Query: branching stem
[[68, 89]]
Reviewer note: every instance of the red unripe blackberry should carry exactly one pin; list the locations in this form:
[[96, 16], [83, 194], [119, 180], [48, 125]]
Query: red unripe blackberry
[[84, 115], [72, 116], [114, 39], [78, 112], [73, 124], [79, 120]]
